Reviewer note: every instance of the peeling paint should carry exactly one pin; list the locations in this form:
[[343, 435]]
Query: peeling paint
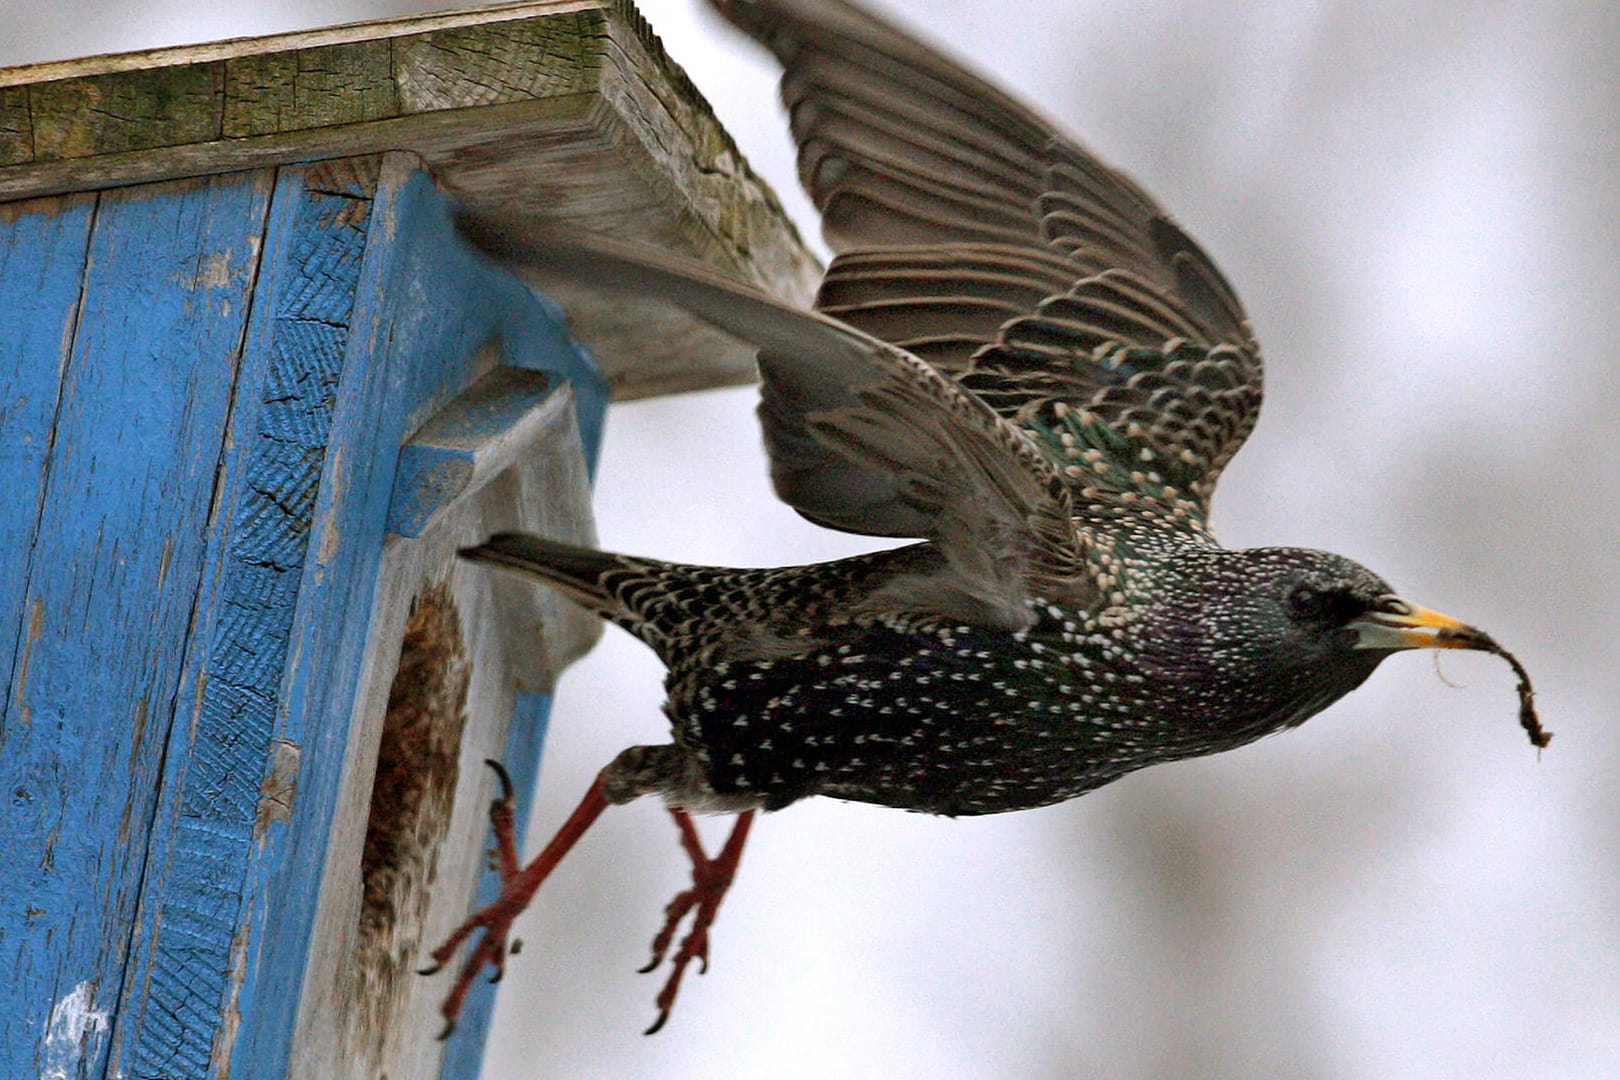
[[279, 786], [74, 1034], [36, 628], [329, 526], [215, 271]]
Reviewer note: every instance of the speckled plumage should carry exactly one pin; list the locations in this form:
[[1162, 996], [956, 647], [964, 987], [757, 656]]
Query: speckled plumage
[[791, 682], [1020, 360]]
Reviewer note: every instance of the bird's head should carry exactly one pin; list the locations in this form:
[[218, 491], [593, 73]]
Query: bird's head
[[1270, 636]]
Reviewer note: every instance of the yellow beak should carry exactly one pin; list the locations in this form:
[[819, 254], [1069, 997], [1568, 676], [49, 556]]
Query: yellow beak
[[1399, 625], [1395, 624]]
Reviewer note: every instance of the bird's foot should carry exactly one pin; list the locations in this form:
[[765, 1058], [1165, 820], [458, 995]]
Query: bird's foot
[[518, 886], [711, 877]]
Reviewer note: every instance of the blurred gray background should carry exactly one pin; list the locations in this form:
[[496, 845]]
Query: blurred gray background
[[1419, 203]]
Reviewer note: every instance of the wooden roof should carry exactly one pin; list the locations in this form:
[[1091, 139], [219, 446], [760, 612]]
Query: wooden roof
[[566, 110]]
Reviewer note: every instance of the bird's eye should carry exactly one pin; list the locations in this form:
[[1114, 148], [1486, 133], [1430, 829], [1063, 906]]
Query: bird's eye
[[1307, 603]]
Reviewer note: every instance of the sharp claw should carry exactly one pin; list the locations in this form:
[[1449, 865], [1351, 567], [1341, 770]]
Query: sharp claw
[[504, 777], [518, 885], [431, 969], [711, 877]]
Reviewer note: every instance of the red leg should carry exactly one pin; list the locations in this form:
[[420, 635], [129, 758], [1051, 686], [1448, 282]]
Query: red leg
[[710, 880], [517, 890]]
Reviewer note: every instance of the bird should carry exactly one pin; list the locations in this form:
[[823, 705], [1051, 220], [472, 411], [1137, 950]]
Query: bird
[[1018, 362]]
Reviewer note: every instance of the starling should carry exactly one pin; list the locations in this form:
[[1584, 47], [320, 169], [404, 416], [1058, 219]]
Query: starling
[[1018, 359]]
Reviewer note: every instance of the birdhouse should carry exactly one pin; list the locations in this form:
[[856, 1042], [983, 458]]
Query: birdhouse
[[254, 394]]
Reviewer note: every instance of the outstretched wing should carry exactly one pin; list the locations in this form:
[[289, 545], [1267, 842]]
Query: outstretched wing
[[900, 449], [973, 235]]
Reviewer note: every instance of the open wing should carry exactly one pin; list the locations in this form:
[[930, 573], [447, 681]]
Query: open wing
[[973, 235], [899, 448]]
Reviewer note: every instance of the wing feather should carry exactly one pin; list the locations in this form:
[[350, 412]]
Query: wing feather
[[863, 436], [972, 232]]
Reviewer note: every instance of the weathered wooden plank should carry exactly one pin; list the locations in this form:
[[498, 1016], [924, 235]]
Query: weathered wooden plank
[[404, 359], [468, 442], [291, 558], [566, 108], [112, 582], [324, 86], [42, 253], [229, 48], [364, 1011], [16, 126], [186, 960], [280, 85], [132, 110], [478, 64]]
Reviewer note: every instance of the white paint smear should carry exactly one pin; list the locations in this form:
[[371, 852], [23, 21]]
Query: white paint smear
[[75, 1031]]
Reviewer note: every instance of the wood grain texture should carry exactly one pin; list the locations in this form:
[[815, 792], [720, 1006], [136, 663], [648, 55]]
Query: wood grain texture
[[16, 126], [566, 108], [325, 86], [206, 386], [467, 443], [404, 360], [363, 1011], [43, 247], [133, 110], [111, 588], [183, 970]]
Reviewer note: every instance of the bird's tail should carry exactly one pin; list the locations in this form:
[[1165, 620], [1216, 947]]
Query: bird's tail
[[635, 594], [581, 573]]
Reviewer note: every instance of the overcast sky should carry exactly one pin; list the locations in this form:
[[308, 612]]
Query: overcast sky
[[1417, 203]]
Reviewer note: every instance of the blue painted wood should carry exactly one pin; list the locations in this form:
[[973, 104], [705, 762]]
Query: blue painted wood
[[189, 955], [424, 306], [467, 443], [112, 577], [525, 741], [42, 253], [203, 404], [535, 335]]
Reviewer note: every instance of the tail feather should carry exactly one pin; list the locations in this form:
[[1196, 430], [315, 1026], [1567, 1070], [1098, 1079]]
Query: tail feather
[[644, 596], [579, 572], [679, 609]]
